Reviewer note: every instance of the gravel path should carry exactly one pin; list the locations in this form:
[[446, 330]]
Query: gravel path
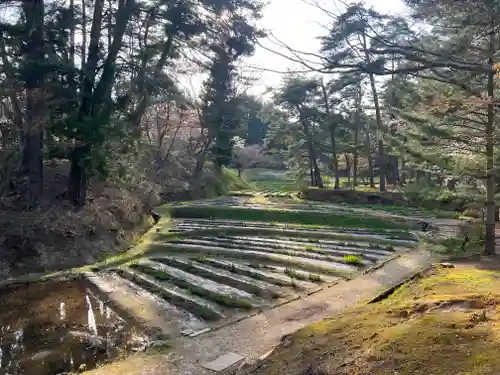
[[259, 334]]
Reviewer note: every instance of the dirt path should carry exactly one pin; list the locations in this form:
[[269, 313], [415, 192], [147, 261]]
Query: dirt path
[[259, 334]]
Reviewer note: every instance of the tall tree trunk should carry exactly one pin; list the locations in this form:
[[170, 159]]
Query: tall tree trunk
[[77, 181], [110, 23], [369, 156], [395, 166], [378, 118], [311, 149], [381, 156], [16, 111], [5, 135], [333, 128], [83, 50], [34, 57], [95, 107], [489, 244], [403, 171], [77, 189], [355, 161], [72, 33], [394, 159], [314, 159], [348, 167], [311, 170], [335, 158]]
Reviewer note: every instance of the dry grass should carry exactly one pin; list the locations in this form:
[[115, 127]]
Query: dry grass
[[446, 323], [138, 364], [56, 236]]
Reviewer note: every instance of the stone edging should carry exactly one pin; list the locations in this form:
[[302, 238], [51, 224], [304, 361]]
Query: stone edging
[[33, 278], [388, 291]]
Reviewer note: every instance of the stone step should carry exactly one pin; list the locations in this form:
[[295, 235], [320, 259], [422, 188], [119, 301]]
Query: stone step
[[259, 288], [317, 265], [200, 286], [294, 227], [366, 237], [272, 274], [374, 249], [310, 247], [147, 308], [331, 257], [176, 296]]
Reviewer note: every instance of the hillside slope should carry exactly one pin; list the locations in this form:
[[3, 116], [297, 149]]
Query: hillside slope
[[445, 322]]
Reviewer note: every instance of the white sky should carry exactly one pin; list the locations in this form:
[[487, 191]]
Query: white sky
[[296, 24]]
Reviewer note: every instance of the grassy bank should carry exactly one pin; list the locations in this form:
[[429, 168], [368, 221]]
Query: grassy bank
[[444, 323], [295, 217]]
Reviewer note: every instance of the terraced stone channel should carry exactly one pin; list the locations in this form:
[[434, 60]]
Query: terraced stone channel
[[203, 274]]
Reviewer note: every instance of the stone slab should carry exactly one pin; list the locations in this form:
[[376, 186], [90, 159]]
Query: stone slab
[[223, 362]]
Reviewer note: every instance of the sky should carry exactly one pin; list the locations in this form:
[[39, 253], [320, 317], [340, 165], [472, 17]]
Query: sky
[[297, 24]]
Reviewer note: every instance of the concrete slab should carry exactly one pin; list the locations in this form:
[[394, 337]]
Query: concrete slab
[[223, 362]]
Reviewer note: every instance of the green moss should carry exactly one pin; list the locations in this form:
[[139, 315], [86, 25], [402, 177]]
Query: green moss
[[297, 217], [352, 259], [425, 327], [294, 274], [315, 278]]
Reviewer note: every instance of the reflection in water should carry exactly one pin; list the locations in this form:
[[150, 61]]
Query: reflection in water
[[62, 311], [91, 317], [51, 328]]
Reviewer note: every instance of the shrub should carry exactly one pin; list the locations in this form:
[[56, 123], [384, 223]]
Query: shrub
[[352, 259]]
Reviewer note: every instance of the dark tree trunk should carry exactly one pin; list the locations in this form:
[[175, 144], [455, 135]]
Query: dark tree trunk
[[83, 50], [33, 74], [311, 170], [200, 163], [95, 106], [355, 156], [217, 167], [395, 166], [348, 167], [77, 189], [317, 181], [333, 127], [370, 157], [335, 159], [489, 244], [404, 173], [4, 132], [378, 118]]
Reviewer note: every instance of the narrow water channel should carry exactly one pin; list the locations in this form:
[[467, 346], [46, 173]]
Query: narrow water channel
[[56, 327]]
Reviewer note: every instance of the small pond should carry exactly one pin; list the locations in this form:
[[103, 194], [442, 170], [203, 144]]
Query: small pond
[[57, 327]]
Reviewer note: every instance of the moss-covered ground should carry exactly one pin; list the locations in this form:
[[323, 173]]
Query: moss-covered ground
[[284, 216], [445, 322]]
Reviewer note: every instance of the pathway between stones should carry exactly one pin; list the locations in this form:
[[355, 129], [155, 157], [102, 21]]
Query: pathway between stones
[[257, 335]]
